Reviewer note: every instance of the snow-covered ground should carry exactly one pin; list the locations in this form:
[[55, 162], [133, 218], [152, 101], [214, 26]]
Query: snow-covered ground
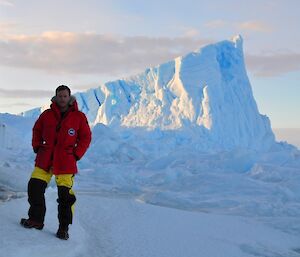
[[111, 227]]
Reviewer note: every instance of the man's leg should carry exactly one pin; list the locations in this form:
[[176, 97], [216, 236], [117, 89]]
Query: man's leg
[[36, 190], [66, 200]]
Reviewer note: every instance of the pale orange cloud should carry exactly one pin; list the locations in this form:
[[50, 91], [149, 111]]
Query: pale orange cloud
[[254, 26], [6, 3], [83, 53], [257, 26], [190, 32], [68, 52], [7, 26], [22, 93], [215, 24]]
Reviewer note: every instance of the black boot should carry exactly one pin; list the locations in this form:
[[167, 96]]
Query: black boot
[[28, 223], [62, 232]]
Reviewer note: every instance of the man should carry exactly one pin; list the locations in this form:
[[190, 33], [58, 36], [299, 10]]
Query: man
[[61, 136]]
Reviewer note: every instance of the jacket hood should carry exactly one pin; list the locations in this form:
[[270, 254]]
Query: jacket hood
[[72, 103]]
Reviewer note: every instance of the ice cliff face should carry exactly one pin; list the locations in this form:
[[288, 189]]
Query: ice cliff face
[[206, 91], [15, 131]]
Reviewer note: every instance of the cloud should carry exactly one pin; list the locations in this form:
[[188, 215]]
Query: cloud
[[114, 55], [86, 86], [67, 52], [190, 32], [6, 26], [22, 104], [6, 3], [216, 24], [21, 93], [254, 26], [273, 64], [257, 26]]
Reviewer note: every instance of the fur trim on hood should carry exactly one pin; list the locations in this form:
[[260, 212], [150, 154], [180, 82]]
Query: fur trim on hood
[[71, 102]]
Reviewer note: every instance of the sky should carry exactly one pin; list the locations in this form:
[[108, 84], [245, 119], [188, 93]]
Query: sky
[[83, 43]]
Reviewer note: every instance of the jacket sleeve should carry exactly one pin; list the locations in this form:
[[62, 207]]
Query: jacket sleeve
[[84, 138], [37, 134]]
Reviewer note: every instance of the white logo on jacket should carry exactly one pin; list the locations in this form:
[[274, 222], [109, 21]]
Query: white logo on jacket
[[71, 132]]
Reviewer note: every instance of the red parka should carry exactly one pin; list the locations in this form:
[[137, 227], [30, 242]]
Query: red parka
[[60, 141]]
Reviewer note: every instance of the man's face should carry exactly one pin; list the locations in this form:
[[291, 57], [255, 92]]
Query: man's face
[[63, 98]]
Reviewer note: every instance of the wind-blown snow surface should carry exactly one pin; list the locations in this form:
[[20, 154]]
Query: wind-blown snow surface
[[186, 135], [123, 227]]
